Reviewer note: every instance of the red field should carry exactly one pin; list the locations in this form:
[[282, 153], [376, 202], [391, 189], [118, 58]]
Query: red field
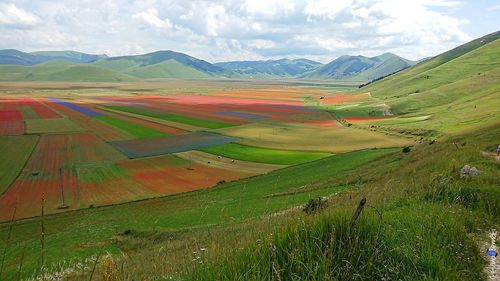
[[169, 174], [10, 115]]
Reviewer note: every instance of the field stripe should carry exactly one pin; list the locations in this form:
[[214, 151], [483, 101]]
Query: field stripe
[[182, 126], [228, 163]]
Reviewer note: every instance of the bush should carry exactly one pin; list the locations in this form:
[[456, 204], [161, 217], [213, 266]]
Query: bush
[[407, 149], [109, 269], [315, 205]]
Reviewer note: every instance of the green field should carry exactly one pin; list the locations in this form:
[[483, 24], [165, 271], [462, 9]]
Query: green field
[[100, 173], [136, 131], [15, 152], [204, 123], [47, 126], [357, 111], [264, 155]]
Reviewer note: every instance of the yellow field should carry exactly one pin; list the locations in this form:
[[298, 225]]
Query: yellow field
[[309, 138]]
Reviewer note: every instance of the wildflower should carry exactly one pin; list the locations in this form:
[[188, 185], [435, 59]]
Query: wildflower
[[272, 247]]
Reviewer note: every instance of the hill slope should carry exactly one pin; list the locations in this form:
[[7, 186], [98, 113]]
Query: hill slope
[[458, 88], [270, 68], [172, 61], [360, 67], [16, 57], [166, 69], [61, 71]]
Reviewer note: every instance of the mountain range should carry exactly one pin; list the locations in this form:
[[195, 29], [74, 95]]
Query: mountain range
[[75, 66]]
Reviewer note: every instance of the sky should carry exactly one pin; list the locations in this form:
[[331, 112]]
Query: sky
[[226, 30]]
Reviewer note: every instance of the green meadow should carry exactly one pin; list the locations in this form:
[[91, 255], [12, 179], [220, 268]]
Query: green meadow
[[134, 130], [264, 155], [204, 123]]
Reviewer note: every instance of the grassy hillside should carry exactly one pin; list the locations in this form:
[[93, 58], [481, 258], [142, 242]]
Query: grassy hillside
[[166, 69], [60, 66], [59, 70], [428, 74], [359, 67], [72, 56], [21, 58], [386, 67], [270, 68], [158, 57], [458, 89]]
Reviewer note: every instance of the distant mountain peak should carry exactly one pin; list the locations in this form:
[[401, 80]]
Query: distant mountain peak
[[359, 67]]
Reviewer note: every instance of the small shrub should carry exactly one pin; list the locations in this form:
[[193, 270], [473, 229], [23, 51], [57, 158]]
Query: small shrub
[[109, 269], [407, 149], [315, 205]]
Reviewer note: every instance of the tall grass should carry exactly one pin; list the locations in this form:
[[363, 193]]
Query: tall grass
[[428, 244], [7, 242]]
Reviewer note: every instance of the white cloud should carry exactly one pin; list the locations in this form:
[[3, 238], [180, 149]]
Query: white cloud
[[494, 7], [221, 30], [12, 16], [269, 7], [151, 18], [326, 8]]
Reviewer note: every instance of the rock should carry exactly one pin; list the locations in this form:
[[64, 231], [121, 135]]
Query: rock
[[468, 171]]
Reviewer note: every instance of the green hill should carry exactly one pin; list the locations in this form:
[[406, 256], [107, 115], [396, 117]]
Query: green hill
[[457, 88], [61, 71], [126, 63], [73, 56], [166, 69], [170, 64], [10, 56], [360, 68], [270, 68]]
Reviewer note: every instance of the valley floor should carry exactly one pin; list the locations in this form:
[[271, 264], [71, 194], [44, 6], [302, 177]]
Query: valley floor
[[210, 184]]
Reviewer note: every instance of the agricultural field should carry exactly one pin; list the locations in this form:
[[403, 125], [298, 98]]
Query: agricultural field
[[263, 155], [15, 151], [86, 148]]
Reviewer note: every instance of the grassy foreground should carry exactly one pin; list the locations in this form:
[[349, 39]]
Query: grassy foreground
[[423, 222]]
